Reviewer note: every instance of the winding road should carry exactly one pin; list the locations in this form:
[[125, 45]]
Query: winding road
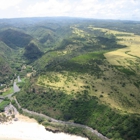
[[15, 88]]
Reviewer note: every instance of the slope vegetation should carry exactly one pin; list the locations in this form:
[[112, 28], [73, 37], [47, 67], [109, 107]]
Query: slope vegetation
[[83, 71], [32, 52], [14, 38], [76, 82]]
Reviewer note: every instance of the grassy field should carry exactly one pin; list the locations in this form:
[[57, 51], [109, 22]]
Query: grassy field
[[8, 91], [122, 56], [68, 82], [79, 32], [110, 84], [88, 56]]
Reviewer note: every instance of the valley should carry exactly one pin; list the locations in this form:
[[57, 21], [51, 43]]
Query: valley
[[76, 70]]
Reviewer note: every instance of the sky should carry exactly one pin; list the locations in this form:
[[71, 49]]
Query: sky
[[97, 9]]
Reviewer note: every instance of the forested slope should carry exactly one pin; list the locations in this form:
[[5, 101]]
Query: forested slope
[[75, 82], [78, 70]]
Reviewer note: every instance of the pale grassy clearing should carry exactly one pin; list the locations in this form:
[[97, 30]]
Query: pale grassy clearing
[[29, 74], [117, 97], [63, 82], [120, 56], [7, 91], [68, 49], [115, 90], [79, 32]]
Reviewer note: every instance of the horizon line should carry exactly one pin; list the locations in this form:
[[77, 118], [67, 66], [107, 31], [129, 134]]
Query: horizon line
[[70, 17]]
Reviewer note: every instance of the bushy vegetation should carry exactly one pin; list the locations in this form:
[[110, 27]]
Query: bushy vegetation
[[126, 71], [14, 38], [84, 109], [32, 52], [9, 91], [75, 49], [3, 104], [57, 127], [5, 70]]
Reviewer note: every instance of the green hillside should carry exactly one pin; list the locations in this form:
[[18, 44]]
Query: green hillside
[[78, 70], [32, 52], [76, 82], [5, 50], [5, 70], [14, 38]]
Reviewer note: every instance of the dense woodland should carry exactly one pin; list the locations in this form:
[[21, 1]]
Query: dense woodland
[[70, 78]]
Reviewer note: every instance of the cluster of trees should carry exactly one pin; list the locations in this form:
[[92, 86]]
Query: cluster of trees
[[56, 36], [84, 109]]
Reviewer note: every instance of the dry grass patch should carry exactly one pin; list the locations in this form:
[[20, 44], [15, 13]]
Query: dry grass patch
[[115, 89], [59, 81], [112, 88], [79, 32], [121, 55]]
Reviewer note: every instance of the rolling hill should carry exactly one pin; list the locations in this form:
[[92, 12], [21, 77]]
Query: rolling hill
[[32, 52], [14, 38], [85, 71]]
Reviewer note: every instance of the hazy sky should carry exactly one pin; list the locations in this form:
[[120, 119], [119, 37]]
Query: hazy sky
[[101, 9]]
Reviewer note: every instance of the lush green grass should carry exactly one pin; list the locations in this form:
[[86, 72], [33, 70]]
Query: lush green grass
[[3, 104], [88, 56], [8, 92]]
